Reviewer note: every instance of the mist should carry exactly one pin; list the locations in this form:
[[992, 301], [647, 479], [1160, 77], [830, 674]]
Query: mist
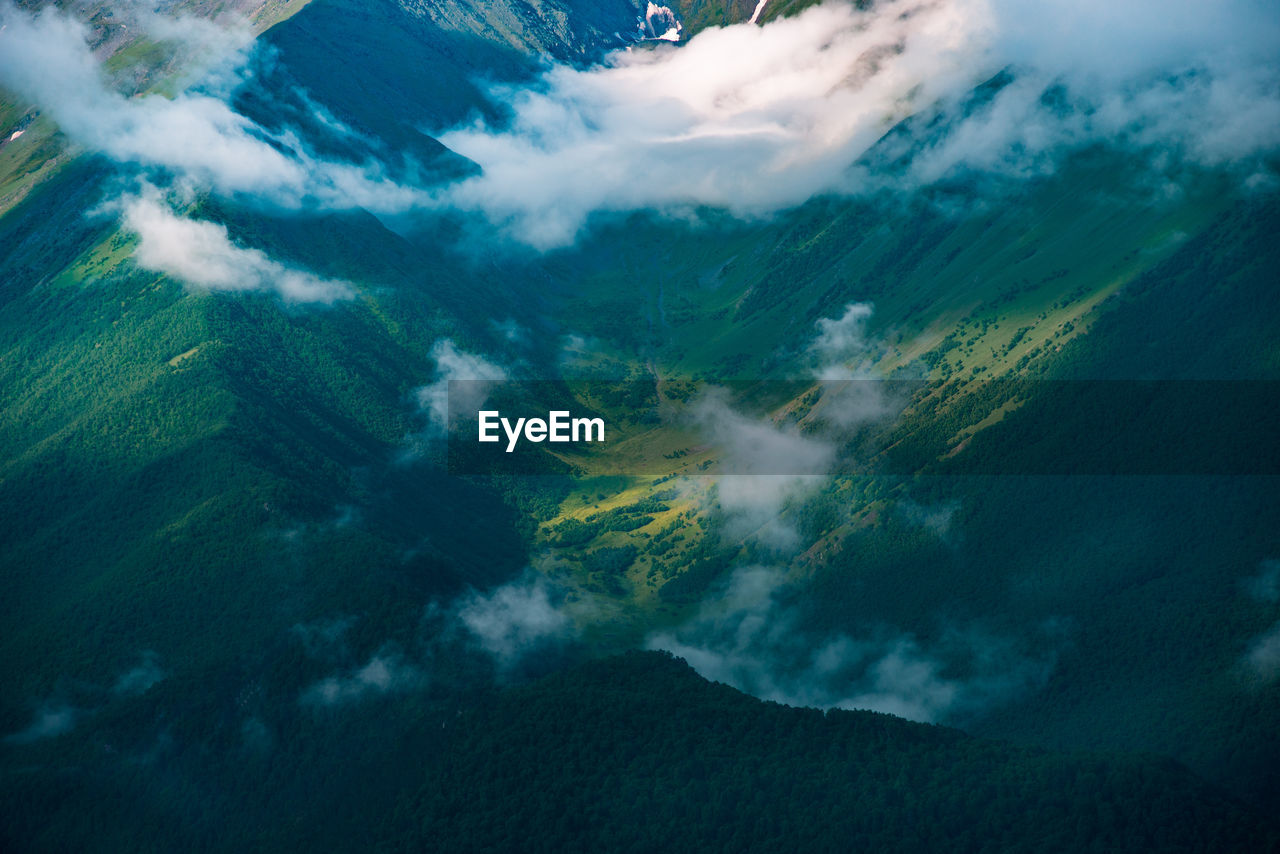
[[471, 375], [755, 119], [1262, 659], [769, 466], [752, 634], [770, 462], [49, 721], [194, 136], [201, 254], [386, 672], [521, 617], [141, 678]]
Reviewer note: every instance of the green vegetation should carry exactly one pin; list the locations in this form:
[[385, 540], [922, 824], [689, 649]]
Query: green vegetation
[[215, 480], [638, 752]]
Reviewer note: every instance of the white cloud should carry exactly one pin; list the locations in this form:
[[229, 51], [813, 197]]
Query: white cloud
[[514, 619], [766, 465], [195, 135], [201, 254], [385, 672], [746, 118], [843, 358], [471, 375], [755, 119], [842, 341], [748, 636]]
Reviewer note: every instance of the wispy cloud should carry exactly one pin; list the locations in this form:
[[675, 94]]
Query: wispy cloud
[[201, 254], [140, 679], [754, 119], [518, 618], [935, 517], [386, 672], [772, 464], [194, 135], [1265, 586], [752, 635], [1262, 659], [775, 462], [324, 637], [471, 375], [49, 721]]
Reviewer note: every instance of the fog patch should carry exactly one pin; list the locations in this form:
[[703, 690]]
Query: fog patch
[[49, 721], [775, 462], [472, 374], [256, 736], [1264, 656], [842, 357], [521, 617], [1265, 586], [140, 679], [512, 331], [194, 135], [755, 119], [201, 254], [772, 464], [1262, 659], [752, 635], [324, 638], [386, 672], [933, 517]]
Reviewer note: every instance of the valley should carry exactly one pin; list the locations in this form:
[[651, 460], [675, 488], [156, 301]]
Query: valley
[[253, 597]]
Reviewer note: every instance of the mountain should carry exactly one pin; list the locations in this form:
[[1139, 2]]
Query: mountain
[[249, 604], [639, 750]]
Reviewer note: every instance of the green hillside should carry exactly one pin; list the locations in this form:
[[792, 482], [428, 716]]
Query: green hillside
[[215, 507], [556, 765]]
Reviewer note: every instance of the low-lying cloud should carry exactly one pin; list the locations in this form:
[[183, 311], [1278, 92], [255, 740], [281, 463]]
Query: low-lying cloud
[[471, 375], [385, 672], [1265, 586], [513, 620], [776, 462], [747, 118], [141, 678], [751, 119], [1262, 659], [194, 135], [756, 119], [773, 464], [49, 721], [751, 635], [201, 254]]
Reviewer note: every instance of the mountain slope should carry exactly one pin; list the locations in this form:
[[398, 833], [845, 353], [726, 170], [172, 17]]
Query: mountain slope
[[639, 752], [238, 501]]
